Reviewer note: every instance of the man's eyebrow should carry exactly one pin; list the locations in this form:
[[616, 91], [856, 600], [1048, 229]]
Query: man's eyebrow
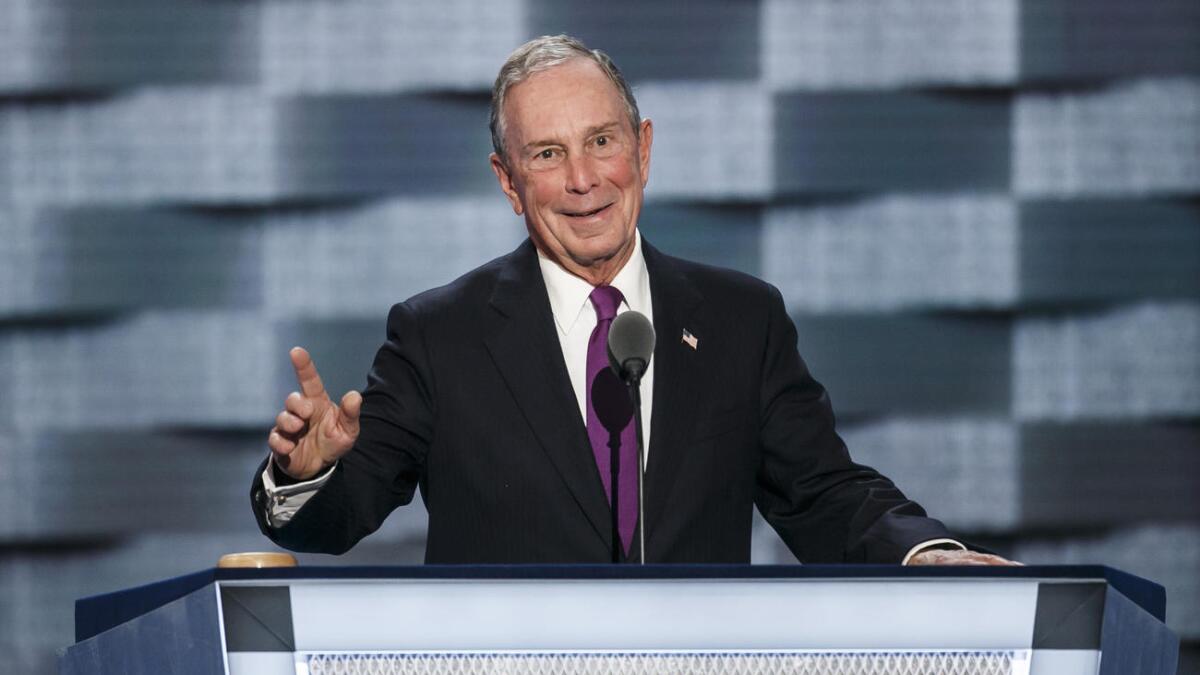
[[608, 126], [591, 131], [538, 144]]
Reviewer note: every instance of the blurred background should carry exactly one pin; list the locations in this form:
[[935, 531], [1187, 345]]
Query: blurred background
[[984, 214]]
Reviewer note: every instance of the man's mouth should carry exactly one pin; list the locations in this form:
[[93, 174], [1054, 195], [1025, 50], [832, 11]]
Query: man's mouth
[[585, 214]]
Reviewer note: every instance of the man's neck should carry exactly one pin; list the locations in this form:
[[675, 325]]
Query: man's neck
[[602, 272]]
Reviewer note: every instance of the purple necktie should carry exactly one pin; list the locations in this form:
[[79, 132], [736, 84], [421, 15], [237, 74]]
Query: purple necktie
[[610, 417]]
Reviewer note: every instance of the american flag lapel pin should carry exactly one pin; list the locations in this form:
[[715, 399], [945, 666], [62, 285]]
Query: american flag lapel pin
[[689, 339]]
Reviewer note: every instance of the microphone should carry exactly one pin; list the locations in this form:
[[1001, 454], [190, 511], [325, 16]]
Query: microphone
[[630, 346]]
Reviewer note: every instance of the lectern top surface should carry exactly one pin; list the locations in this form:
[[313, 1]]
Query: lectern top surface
[[98, 613]]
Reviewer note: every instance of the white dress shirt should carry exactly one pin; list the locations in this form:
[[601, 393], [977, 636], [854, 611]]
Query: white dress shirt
[[575, 319]]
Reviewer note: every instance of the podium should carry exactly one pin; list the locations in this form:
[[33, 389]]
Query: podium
[[630, 619]]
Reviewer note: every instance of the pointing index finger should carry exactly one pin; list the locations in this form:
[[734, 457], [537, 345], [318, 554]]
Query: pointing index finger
[[306, 373]]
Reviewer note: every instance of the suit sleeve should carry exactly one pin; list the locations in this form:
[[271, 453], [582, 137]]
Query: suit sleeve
[[826, 508], [383, 469]]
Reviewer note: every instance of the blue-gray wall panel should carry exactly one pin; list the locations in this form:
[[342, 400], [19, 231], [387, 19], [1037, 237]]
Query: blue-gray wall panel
[[1100, 475], [1104, 250], [339, 46], [1136, 138], [6, 158], [1135, 362], [964, 470], [713, 141], [104, 484], [722, 235], [203, 368], [894, 252], [676, 39], [880, 44], [853, 142], [1064, 40], [144, 146], [906, 364], [120, 43], [120, 259], [357, 260], [355, 146]]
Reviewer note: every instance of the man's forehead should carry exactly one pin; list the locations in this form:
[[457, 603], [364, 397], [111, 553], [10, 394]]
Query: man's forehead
[[574, 95], [576, 71]]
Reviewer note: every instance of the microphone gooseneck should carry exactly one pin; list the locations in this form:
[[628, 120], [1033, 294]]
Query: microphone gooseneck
[[630, 346]]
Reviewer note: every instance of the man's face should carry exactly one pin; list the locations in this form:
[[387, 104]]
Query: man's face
[[575, 168]]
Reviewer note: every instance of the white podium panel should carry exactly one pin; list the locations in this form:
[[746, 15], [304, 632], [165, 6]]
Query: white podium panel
[[677, 614]]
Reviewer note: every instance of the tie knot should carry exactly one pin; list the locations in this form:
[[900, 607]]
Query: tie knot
[[606, 300]]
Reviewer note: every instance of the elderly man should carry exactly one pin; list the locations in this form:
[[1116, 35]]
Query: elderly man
[[486, 392]]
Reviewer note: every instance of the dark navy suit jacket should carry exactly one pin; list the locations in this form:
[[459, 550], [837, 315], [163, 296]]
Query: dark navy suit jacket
[[470, 400]]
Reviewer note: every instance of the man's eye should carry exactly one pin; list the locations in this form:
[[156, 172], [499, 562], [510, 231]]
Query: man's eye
[[546, 154], [602, 140]]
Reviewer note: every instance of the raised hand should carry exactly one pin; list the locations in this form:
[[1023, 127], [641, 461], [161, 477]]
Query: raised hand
[[312, 432]]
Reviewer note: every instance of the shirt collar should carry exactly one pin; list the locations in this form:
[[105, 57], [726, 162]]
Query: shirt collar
[[569, 294]]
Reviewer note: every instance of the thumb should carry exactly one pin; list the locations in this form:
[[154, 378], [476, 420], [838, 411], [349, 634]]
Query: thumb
[[349, 409]]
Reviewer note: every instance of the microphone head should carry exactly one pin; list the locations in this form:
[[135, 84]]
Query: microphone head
[[630, 345]]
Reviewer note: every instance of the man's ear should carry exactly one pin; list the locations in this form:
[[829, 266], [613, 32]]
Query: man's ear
[[506, 183], [645, 140]]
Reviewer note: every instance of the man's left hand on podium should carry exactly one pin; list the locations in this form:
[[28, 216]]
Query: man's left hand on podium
[[945, 557]]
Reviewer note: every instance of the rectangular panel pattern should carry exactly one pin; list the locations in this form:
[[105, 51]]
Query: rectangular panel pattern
[[868, 44], [894, 252]]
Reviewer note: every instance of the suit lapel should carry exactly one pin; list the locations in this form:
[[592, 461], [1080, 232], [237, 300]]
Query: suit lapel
[[528, 354], [677, 380]]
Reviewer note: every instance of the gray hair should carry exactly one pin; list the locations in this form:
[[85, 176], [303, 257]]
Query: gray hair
[[544, 53]]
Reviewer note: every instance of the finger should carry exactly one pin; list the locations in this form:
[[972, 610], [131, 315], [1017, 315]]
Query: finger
[[278, 444], [298, 405], [288, 423], [350, 408], [306, 373]]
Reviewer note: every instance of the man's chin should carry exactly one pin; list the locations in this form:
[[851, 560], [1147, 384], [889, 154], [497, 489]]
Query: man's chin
[[589, 252], [583, 248]]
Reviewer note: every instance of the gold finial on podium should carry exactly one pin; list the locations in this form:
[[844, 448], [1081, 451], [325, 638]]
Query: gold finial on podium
[[257, 560]]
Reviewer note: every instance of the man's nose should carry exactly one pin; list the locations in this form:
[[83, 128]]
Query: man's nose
[[581, 174]]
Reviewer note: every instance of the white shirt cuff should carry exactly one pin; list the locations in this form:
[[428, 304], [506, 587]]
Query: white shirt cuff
[[284, 501], [926, 544]]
